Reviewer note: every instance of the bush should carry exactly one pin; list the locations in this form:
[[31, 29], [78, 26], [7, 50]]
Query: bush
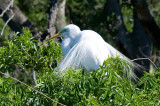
[[105, 86], [22, 55]]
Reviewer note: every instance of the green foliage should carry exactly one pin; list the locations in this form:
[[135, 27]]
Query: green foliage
[[10, 92], [23, 54], [105, 86], [127, 13], [79, 8], [36, 11], [155, 10]]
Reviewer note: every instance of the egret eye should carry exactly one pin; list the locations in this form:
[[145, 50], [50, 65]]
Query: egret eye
[[58, 34], [63, 30]]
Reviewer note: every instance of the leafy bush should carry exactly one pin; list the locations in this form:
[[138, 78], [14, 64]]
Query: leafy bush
[[23, 55], [105, 86]]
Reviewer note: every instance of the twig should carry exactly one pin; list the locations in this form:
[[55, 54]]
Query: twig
[[6, 24], [145, 59], [4, 11], [34, 76], [7, 8], [50, 65], [26, 52], [32, 88]]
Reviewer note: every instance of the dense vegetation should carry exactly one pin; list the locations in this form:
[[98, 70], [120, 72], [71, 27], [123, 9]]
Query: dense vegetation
[[31, 61], [105, 86]]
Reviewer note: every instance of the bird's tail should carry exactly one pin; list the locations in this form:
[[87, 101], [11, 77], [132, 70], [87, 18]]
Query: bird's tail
[[136, 70], [78, 53]]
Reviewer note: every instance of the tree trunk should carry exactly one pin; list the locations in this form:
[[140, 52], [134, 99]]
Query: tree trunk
[[125, 43], [137, 44], [60, 21], [52, 18], [56, 18], [147, 20], [142, 44]]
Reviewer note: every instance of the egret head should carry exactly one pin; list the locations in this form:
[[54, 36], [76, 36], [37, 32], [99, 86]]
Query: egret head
[[70, 30]]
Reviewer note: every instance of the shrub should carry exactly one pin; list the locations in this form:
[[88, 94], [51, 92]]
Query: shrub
[[105, 86]]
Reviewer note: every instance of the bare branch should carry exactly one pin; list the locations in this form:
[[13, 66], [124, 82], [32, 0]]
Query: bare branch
[[3, 12], [6, 24], [145, 59], [34, 76], [19, 20], [7, 8]]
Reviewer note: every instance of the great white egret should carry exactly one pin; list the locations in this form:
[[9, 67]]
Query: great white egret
[[85, 49]]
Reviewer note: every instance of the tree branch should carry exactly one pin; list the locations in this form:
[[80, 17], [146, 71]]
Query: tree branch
[[7, 8], [52, 18], [6, 24], [4, 11], [19, 20]]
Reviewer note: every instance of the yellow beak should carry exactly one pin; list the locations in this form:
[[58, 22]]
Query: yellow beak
[[54, 36]]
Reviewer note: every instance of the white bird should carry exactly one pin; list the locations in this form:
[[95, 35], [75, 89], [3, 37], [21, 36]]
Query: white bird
[[85, 49]]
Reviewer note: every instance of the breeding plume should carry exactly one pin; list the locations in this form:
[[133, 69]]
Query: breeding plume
[[84, 49]]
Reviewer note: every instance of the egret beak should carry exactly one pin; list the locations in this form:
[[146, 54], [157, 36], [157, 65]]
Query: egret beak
[[54, 36]]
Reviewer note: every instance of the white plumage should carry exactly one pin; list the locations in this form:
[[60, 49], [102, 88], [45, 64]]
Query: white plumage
[[84, 49]]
